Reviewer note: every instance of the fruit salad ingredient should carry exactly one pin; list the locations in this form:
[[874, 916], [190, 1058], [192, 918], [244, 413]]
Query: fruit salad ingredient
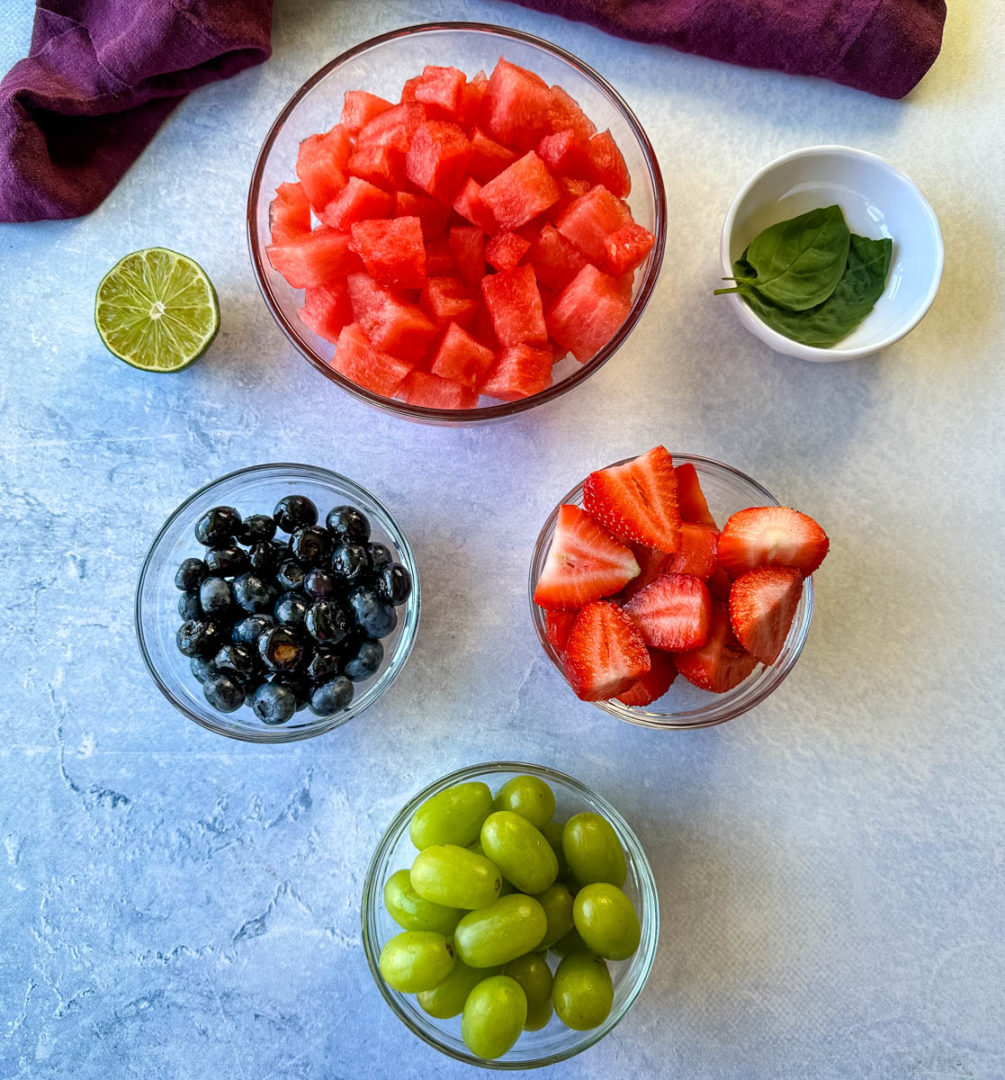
[[762, 605], [556, 901], [606, 921], [416, 960], [455, 877], [722, 663], [411, 912], [507, 928], [637, 501], [593, 851], [494, 1015], [605, 653], [672, 613], [528, 796], [533, 974], [771, 536], [451, 816], [447, 998], [583, 992], [520, 851]]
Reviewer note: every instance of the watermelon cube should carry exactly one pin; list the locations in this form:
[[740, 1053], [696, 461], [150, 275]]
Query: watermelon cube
[[556, 261], [357, 359], [322, 161], [588, 312], [432, 214], [467, 245], [488, 157], [590, 219], [393, 129], [432, 392], [517, 106], [327, 309], [359, 108], [461, 358], [379, 166], [521, 370], [520, 192], [505, 250], [514, 304], [289, 214], [439, 259], [359, 200], [441, 87], [472, 96], [563, 153], [437, 159], [627, 248], [566, 115], [447, 300], [392, 251], [469, 205], [606, 165], [392, 324], [317, 259]]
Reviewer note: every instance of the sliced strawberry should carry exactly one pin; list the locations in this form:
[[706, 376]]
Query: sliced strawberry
[[638, 500], [651, 563], [697, 552], [557, 628], [762, 605], [672, 612], [722, 663], [605, 653], [771, 536], [719, 585], [654, 684], [690, 497], [584, 563]]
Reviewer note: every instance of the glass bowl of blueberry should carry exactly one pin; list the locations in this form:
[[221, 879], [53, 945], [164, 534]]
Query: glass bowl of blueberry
[[277, 602]]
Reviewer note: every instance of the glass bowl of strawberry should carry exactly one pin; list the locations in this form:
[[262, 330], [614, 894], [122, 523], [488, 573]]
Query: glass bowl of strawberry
[[674, 591], [456, 222]]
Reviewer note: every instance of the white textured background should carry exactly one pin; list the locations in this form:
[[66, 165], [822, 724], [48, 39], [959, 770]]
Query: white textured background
[[176, 905]]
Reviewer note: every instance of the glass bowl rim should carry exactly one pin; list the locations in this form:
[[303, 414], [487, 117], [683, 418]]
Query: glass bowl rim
[[659, 721], [488, 412], [324, 724], [648, 898]]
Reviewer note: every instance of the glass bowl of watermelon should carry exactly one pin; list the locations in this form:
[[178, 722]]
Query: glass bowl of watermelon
[[456, 222], [631, 587]]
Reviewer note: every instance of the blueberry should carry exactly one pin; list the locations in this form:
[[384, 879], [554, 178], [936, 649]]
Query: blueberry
[[227, 561], [188, 606], [332, 697], [290, 609], [261, 558], [280, 649], [380, 556], [190, 574], [201, 668], [348, 525], [393, 584], [351, 563], [257, 529], [252, 593], [223, 693], [294, 511], [237, 662], [318, 584], [218, 526], [215, 596], [366, 662], [274, 703], [290, 575], [199, 637], [375, 619], [246, 632], [327, 622], [310, 546], [324, 666], [300, 688]]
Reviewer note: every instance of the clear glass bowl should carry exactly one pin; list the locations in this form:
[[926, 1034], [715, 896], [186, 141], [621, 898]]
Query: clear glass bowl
[[555, 1042], [256, 490], [685, 706], [381, 65]]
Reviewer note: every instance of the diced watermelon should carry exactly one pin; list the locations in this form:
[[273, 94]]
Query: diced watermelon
[[627, 248], [514, 303], [690, 497], [392, 324], [488, 157], [289, 214], [472, 96], [392, 251], [461, 358], [467, 244], [469, 205], [588, 312], [437, 160], [327, 309], [322, 161], [446, 300], [359, 108], [439, 259], [317, 259], [357, 359], [408, 90], [556, 261], [433, 215], [393, 129], [566, 114], [380, 166], [359, 200], [520, 192], [517, 107], [505, 250], [606, 165], [432, 392], [590, 220], [441, 87], [697, 554], [521, 370], [563, 153]]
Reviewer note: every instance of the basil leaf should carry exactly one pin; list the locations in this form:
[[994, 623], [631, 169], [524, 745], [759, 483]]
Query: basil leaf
[[798, 263], [860, 287]]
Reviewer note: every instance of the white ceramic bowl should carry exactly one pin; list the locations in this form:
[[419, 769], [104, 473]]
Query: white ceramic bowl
[[877, 201]]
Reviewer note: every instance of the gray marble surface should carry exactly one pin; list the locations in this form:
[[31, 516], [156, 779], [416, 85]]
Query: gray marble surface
[[177, 905]]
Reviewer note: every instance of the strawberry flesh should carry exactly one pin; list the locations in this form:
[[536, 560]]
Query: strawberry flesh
[[762, 605], [654, 684], [557, 628], [637, 501], [605, 653], [771, 536], [672, 613], [697, 553], [690, 497], [722, 663]]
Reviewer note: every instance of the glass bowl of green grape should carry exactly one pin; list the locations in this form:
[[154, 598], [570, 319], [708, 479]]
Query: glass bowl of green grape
[[510, 916]]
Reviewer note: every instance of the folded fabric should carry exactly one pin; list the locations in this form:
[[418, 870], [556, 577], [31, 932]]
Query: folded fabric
[[881, 46], [100, 78]]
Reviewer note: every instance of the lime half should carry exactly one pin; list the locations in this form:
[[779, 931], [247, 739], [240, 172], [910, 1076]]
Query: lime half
[[157, 310]]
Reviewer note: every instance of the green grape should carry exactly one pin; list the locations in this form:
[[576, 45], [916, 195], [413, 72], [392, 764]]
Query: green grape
[[606, 921], [447, 999], [593, 850], [519, 850], [416, 960], [451, 816], [553, 834], [557, 903], [534, 975], [528, 796], [582, 992], [501, 932], [455, 877], [410, 911], [569, 943], [494, 1015]]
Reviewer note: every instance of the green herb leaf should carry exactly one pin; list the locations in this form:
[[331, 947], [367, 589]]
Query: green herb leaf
[[861, 285]]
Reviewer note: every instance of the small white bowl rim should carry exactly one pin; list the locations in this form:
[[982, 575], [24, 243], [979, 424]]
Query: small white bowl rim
[[781, 343]]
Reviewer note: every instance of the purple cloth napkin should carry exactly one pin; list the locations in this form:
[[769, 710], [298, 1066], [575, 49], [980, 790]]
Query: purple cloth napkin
[[881, 46], [99, 80]]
